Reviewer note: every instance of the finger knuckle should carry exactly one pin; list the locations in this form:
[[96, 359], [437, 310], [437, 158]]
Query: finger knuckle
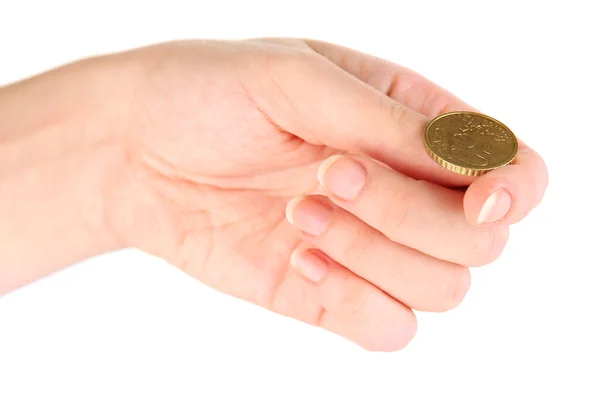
[[407, 333], [434, 103], [397, 214], [398, 113], [394, 338], [358, 246], [490, 244], [458, 286], [350, 300]]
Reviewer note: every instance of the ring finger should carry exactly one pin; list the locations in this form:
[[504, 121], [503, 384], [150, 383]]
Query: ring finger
[[411, 277]]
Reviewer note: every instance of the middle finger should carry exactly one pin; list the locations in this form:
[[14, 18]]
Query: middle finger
[[418, 214]]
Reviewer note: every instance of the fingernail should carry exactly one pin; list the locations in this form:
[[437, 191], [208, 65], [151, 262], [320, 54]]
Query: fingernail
[[308, 215], [495, 207], [342, 176], [309, 265]]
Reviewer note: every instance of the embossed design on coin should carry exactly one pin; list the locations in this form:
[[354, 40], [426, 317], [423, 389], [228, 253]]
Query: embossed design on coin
[[469, 143]]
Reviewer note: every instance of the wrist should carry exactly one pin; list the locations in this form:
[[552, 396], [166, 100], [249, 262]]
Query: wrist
[[58, 151]]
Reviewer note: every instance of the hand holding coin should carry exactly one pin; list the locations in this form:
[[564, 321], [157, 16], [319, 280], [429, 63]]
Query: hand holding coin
[[199, 151]]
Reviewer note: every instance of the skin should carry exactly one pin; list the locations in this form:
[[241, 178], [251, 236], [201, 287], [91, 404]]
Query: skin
[[194, 151]]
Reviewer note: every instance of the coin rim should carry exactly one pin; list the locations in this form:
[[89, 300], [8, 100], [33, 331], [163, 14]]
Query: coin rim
[[464, 170]]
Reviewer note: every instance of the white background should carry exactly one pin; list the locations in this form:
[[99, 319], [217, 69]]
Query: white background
[[126, 332]]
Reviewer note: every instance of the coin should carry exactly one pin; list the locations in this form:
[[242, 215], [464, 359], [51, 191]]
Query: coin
[[470, 144]]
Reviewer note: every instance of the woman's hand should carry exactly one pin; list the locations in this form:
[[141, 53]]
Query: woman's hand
[[219, 141]]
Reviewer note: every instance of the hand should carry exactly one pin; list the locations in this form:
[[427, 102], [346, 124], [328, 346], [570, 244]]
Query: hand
[[219, 141], [224, 134]]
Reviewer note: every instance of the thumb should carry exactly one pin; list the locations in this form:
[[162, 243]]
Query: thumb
[[322, 104]]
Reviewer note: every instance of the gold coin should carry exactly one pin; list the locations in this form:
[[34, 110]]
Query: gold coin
[[470, 144]]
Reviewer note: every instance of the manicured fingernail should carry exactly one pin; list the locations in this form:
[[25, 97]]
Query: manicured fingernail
[[342, 176], [309, 265], [495, 207], [308, 215]]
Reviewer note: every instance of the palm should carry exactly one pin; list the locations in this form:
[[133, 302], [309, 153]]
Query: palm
[[222, 177]]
